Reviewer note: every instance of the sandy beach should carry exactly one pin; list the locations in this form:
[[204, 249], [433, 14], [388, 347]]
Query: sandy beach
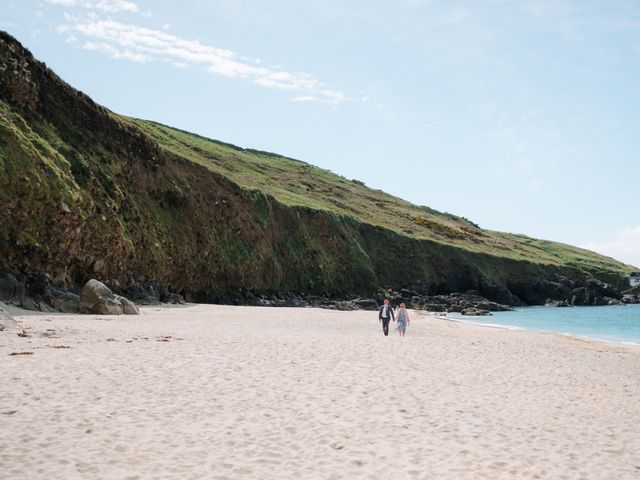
[[221, 392]]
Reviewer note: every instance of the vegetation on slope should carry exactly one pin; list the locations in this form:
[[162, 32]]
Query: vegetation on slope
[[295, 183], [85, 192]]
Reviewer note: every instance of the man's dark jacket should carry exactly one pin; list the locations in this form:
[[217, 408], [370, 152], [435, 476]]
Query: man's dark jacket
[[389, 312]]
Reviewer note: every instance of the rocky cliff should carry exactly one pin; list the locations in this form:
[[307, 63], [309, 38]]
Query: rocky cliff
[[87, 193]]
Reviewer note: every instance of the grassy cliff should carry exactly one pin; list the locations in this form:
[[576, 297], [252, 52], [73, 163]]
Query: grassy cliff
[[85, 192]]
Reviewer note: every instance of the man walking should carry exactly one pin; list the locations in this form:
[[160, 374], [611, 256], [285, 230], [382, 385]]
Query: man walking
[[385, 314]]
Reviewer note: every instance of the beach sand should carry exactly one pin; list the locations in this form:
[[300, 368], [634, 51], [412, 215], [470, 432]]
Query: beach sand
[[221, 392]]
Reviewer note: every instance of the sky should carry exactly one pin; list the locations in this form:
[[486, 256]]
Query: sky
[[522, 116]]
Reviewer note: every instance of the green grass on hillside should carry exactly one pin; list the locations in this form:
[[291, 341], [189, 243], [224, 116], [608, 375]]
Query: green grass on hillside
[[295, 183]]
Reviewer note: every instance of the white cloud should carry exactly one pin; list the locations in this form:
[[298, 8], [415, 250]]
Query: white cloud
[[116, 53], [139, 44], [333, 95], [624, 247], [106, 6]]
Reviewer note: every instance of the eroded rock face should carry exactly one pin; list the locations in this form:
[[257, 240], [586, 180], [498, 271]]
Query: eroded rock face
[[96, 297], [16, 79], [595, 293]]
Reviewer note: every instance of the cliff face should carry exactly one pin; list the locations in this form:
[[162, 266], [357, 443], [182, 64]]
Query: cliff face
[[86, 193]]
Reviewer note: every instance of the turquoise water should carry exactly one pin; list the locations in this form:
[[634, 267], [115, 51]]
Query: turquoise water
[[615, 323]]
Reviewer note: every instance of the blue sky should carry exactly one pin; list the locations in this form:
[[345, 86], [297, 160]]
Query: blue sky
[[520, 115]]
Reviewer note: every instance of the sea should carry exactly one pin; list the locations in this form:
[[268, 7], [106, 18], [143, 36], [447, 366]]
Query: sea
[[619, 323]]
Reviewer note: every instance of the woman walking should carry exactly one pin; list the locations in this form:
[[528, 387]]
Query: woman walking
[[403, 319]]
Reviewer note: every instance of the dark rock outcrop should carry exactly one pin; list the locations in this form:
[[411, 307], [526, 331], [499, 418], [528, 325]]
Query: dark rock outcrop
[[500, 294], [475, 312], [594, 293], [62, 300], [11, 289], [143, 294], [454, 302], [632, 291], [537, 291], [632, 295], [45, 293], [366, 303], [8, 285], [174, 298]]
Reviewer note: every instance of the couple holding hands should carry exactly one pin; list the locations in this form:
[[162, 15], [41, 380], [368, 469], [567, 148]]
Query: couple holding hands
[[386, 314]]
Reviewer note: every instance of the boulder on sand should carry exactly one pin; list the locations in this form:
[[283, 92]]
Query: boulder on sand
[[128, 307], [96, 297]]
